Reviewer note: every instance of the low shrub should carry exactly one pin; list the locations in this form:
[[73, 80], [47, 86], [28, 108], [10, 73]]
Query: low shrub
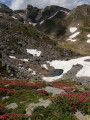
[[22, 84], [43, 92], [52, 112], [72, 102], [5, 92], [13, 116]]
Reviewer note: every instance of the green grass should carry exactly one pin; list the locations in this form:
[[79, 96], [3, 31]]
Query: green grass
[[22, 97], [82, 37], [86, 29], [52, 112]]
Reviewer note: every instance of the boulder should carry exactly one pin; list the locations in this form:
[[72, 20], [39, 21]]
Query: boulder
[[12, 106]]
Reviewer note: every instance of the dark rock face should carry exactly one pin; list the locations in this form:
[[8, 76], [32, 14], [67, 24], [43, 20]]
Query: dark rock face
[[5, 9], [32, 12]]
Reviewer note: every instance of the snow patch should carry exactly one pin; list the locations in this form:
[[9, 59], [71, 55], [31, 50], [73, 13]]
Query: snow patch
[[14, 17], [41, 22], [88, 41], [34, 52], [53, 15], [33, 73], [30, 69], [67, 65], [12, 57], [65, 12], [38, 17], [34, 24], [25, 60], [88, 35], [57, 13], [45, 66], [73, 29], [73, 36]]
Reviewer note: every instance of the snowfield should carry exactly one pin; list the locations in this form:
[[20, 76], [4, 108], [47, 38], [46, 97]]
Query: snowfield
[[67, 65], [34, 52], [73, 29], [73, 36]]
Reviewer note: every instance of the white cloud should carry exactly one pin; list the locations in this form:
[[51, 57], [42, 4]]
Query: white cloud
[[21, 4]]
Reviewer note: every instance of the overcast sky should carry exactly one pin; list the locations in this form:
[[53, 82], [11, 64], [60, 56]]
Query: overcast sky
[[21, 4]]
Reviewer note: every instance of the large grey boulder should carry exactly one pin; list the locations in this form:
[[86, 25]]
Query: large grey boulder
[[53, 90]]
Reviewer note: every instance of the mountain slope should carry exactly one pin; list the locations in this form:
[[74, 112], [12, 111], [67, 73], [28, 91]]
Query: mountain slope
[[16, 42], [5, 9], [25, 48]]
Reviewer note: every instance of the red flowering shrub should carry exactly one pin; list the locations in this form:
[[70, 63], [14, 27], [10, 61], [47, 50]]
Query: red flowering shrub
[[42, 92], [73, 102], [23, 84], [67, 90], [60, 85], [4, 92], [13, 116]]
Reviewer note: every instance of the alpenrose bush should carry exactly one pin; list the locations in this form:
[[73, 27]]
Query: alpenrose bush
[[73, 102], [61, 85], [13, 116], [23, 84], [4, 92], [43, 92]]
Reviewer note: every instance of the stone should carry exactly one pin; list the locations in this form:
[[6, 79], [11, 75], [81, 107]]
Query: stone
[[20, 44], [80, 116], [6, 97], [31, 106], [12, 52], [12, 106], [53, 90]]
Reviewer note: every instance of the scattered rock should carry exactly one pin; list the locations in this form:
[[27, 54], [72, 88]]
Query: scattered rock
[[31, 106], [12, 106], [80, 116], [6, 97], [12, 52]]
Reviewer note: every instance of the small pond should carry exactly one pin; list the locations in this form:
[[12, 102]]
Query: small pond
[[56, 72]]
